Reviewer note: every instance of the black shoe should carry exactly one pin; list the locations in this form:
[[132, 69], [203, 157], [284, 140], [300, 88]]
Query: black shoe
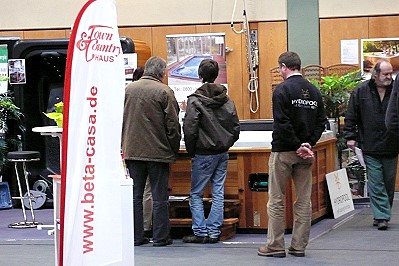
[[196, 239], [148, 233], [213, 240], [295, 252], [163, 243], [382, 225], [375, 222], [144, 241]]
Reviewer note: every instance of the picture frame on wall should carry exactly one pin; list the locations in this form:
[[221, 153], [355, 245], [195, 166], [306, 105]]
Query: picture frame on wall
[[17, 71], [184, 55], [377, 49]]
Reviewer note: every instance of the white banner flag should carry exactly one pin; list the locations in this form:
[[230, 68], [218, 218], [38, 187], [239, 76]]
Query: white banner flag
[[92, 170]]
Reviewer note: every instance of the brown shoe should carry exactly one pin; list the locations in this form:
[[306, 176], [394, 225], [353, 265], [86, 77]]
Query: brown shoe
[[295, 252], [268, 252]]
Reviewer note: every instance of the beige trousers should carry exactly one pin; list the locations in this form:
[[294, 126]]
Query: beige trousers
[[282, 167], [147, 206]]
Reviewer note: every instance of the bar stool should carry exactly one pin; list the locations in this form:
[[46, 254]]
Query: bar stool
[[24, 157]]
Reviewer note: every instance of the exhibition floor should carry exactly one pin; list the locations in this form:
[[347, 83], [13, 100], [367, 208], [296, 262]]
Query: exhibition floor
[[348, 240]]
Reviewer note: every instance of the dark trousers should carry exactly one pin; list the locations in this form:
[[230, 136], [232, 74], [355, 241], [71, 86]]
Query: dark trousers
[[158, 173]]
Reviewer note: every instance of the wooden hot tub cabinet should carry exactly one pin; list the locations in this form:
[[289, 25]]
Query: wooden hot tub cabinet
[[252, 204]]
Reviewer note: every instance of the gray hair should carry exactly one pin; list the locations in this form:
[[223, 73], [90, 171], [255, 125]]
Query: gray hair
[[155, 66], [376, 70]]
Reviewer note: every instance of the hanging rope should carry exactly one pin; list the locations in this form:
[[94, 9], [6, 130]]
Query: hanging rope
[[210, 25], [252, 59]]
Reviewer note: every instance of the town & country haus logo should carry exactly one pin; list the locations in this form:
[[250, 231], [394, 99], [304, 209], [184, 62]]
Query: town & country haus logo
[[99, 44]]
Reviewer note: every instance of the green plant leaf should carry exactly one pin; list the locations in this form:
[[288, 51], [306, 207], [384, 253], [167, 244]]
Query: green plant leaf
[[57, 116], [54, 116], [336, 90], [10, 115], [59, 107]]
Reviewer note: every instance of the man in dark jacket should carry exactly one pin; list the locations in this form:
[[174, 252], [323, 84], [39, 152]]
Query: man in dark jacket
[[299, 121], [150, 141], [392, 115], [365, 125], [211, 126]]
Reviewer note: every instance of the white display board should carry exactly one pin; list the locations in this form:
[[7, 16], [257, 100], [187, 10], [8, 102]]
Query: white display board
[[340, 194]]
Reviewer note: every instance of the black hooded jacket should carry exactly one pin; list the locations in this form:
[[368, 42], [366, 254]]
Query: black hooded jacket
[[211, 123]]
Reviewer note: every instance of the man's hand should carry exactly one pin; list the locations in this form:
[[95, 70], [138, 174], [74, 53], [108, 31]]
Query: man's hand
[[351, 144], [305, 151]]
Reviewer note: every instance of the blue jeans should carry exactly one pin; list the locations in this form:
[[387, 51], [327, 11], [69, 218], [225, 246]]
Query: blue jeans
[[208, 168], [381, 174]]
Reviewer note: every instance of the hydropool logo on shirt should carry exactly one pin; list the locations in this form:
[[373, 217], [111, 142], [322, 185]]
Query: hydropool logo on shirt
[[98, 43], [304, 103], [305, 94]]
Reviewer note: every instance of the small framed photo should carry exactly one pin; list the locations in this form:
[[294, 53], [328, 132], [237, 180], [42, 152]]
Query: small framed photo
[[17, 71]]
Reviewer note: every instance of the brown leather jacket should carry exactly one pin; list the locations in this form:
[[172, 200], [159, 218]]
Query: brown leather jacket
[[151, 129]]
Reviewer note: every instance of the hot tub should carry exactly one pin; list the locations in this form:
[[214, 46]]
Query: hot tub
[[374, 58], [261, 139], [189, 67]]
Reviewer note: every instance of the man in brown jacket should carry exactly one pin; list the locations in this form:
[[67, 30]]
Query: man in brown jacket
[[150, 141]]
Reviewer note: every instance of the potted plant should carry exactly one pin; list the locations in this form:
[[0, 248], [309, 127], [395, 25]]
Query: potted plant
[[9, 113], [57, 115], [336, 92]]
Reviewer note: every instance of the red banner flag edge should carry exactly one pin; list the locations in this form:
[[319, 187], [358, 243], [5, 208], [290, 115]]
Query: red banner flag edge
[[67, 89]]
